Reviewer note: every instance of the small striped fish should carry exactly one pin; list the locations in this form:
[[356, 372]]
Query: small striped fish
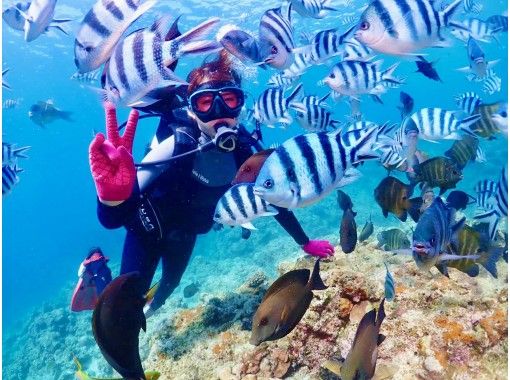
[[485, 190], [315, 100], [472, 6], [437, 124], [11, 103], [498, 23], [356, 51], [9, 178], [276, 42], [487, 127], [358, 77], [139, 63], [492, 83], [401, 27], [312, 8], [89, 77], [392, 156], [314, 118], [239, 206], [301, 63], [306, 168], [499, 203], [476, 28], [327, 44], [273, 107], [10, 153], [468, 102], [389, 285], [102, 28], [279, 80]]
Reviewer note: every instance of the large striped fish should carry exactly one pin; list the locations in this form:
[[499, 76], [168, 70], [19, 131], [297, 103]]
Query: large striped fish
[[312, 8], [437, 124], [239, 206], [468, 102], [357, 77], [102, 28], [9, 178], [276, 42], [272, 106], [306, 168], [401, 27], [499, 204], [139, 63]]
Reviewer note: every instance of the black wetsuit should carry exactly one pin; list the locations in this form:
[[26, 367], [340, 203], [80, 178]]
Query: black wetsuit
[[164, 221]]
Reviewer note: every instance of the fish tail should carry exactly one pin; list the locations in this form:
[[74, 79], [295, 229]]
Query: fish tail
[[414, 209], [489, 260], [66, 115], [465, 124], [362, 149], [315, 282], [448, 12], [493, 218], [187, 40], [294, 94], [20, 152], [387, 75]]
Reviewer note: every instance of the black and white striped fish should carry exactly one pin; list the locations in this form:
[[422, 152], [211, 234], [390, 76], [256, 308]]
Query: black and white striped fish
[[306, 168], [499, 205], [272, 106], [239, 206], [468, 102], [472, 6], [476, 28], [312, 8], [485, 190], [357, 77], [492, 83], [139, 62], [11, 103], [9, 178], [302, 62], [102, 28], [437, 124], [392, 156], [89, 77], [279, 80], [313, 117], [276, 42], [401, 27], [315, 100], [355, 131], [356, 51], [498, 23], [10, 153], [327, 44]]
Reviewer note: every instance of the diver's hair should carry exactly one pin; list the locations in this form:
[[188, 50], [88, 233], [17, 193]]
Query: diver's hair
[[94, 250], [219, 69]]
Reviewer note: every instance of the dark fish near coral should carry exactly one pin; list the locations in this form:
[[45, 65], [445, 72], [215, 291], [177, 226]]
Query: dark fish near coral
[[190, 290], [284, 304], [361, 359], [459, 200], [439, 172], [250, 169], [468, 242], [406, 105], [435, 230], [393, 239], [81, 375], [427, 68], [389, 285], [116, 323], [44, 113], [348, 231], [367, 231], [465, 150], [393, 196]]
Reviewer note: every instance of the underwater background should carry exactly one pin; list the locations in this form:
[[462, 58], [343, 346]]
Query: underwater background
[[50, 223]]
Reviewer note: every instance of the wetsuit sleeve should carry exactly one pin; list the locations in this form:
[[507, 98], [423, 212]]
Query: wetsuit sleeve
[[289, 222], [117, 216]]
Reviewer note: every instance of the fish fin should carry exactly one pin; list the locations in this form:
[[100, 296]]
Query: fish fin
[[491, 64], [334, 366], [472, 271], [458, 226], [20, 152], [376, 98], [61, 20], [403, 216], [385, 213], [143, 321], [367, 322], [143, 102], [66, 115], [245, 233], [149, 296], [351, 175], [465, 69], [450, 257], [294, 94], [443, 269], [299, 275], [196, 32], [284, 314], [414, 210], [380, 339], [447, 13], [248, 226], [170, 78], [58, 27], [315, 282], [173, 32], [380, 316], [489, 259], [142, 8]]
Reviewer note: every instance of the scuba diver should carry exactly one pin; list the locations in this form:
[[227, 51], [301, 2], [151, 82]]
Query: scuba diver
[[171, 198]]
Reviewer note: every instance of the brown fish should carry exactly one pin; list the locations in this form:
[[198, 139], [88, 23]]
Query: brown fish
[[439, 172], [463, 151], [348, 232], [361, 359], [116, 323], [250, 169], [486, 127], [393, 196], [284, 304]]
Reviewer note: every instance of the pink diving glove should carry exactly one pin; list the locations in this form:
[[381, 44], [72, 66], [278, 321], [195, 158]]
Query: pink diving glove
[[111, 161], [319, 248]]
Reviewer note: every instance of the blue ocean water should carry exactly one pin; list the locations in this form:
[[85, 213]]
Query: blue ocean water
[[49, 219]]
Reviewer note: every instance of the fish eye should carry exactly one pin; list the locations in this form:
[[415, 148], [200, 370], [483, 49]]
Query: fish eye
[[264, 321], [217, 215], [503, 114], [300, 115], [433, 241], [332, 76], [274, 50], [88, 49], [268, 183], [365, 25]]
